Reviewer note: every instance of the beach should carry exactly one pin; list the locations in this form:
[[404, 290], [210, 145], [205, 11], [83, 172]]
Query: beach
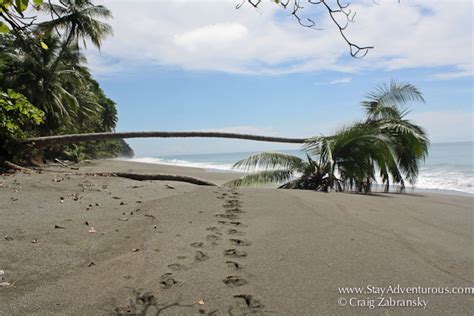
[[76, 244]]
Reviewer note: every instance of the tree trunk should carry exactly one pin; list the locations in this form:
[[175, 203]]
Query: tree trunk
[[11, 166], [73, 138]]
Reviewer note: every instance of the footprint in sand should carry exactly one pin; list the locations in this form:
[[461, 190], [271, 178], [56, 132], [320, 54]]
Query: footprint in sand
[[200, 256], [233, 209], [197, 244], [234, 265], [213, 229], [234, 201], [228, 216], [233, 281], [240, 242], [177, 267], [234, 253], [238, 224], [232, 231], [167, 281], [232, 223], [247, 301], [213, 238]]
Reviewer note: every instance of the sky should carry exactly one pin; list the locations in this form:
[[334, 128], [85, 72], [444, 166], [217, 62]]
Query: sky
[[202, 65]]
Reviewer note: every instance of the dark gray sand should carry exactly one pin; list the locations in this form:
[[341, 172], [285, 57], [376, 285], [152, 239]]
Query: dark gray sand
[[88, 245]]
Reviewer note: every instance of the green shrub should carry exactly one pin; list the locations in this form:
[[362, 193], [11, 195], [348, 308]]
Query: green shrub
[[17, 117]]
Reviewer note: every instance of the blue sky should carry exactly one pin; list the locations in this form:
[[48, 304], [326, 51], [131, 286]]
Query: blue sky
[[202, 65]]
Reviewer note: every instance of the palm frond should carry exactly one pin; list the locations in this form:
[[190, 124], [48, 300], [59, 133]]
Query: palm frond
[[262, 177], [270, 160], [387, 101]]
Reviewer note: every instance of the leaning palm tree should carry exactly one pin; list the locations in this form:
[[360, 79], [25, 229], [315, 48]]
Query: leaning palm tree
[[386, 109], [385, 143], [80, 21], [353, 155], [345, 160]]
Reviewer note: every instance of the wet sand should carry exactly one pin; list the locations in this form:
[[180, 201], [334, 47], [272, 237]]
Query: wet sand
[[84, 245]]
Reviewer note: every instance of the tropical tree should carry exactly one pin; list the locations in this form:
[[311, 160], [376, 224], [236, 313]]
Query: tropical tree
[[386, 109], [67, 95], [78, 19], [385, 143], [17, 115]]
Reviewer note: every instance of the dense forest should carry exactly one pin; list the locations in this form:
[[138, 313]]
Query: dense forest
[[45, 85]]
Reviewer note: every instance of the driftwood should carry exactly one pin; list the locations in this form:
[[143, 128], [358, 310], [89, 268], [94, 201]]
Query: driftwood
[[10, 165], [134, 176], [73, 138], [148, 177]]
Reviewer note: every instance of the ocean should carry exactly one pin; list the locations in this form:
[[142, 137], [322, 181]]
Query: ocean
[[448, 167]]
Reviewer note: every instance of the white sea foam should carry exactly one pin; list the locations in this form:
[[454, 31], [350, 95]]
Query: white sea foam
[[184, 163], [441, 179]]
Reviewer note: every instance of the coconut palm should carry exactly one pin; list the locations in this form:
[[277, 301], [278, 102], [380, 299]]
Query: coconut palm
[[79, 20], [385, 143], [353, 155], [66, 96], [386, 109]]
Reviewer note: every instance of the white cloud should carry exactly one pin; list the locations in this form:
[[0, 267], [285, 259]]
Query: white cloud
[[446, 126], [341, 81], [213, 35], [463, 71]]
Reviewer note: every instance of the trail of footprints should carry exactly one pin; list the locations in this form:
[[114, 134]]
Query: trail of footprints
[[228, 223]]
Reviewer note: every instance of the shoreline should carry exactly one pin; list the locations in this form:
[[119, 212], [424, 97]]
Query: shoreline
[[76, 244], [408, 190]]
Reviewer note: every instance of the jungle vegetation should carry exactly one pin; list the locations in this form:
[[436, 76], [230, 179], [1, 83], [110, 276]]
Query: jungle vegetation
[[45, 85]]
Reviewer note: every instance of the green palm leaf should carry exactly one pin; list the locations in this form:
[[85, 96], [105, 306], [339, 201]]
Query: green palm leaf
[[262, 177], [387, 101], [271, 160]]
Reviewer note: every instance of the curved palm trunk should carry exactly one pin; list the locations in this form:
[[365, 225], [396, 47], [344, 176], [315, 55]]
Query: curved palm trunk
[[73, 138]]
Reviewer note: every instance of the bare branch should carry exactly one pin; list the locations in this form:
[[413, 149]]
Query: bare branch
[[339, 8]]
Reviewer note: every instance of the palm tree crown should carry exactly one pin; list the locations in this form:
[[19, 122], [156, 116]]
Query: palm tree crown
[[79, 18]]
